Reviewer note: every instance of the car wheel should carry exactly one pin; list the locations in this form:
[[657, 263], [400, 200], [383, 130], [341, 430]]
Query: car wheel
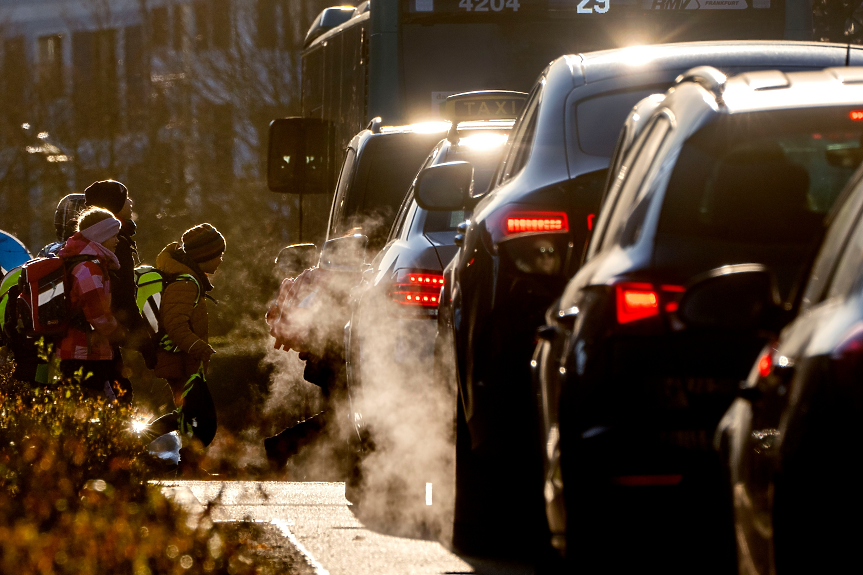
[[472, 524]]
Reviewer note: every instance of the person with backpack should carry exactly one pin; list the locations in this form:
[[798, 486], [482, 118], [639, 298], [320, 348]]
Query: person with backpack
[[184, 351], [86, 351]]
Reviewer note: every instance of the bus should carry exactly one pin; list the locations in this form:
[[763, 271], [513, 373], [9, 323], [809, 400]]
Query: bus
[[400, 59]]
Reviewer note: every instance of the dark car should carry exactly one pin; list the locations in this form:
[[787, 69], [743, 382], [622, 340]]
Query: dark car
[[725, 189], [389, 341], [792, 439], [527, 236], [379, 165]]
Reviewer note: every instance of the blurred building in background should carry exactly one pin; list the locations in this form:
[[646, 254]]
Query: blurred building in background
[[172, 97]]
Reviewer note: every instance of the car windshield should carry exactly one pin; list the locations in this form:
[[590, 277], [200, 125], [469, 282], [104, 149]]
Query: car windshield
[[755, 187], [484, 162]]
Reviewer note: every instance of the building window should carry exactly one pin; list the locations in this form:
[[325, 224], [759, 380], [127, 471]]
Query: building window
[[202, 26], [159, 23], [137, 76], [212, 24], [266, 24], [51, 66], [179, 27], [14, 72], [221, 17], [94, 78]]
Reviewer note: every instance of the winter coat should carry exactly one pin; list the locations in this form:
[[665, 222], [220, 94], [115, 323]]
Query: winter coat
[[123, 289], [90, 293], [185, 322]]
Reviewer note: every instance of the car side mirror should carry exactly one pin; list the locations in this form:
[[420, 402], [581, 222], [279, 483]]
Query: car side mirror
[[445, 187], [300, 156], [344, 254], [736, 297], [293, 259]]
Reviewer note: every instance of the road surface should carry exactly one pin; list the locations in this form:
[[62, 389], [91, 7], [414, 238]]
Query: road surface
[[317, 519]]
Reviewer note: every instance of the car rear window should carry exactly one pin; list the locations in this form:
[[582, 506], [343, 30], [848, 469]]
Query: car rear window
[[756, 187], [386, 168], [599, 119]]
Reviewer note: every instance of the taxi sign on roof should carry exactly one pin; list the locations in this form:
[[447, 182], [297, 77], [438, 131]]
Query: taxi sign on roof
[[485, 105]]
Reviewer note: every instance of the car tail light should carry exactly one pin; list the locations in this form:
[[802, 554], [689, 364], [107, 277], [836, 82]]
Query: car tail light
[[535, 222], [417, 289], [636, 301], [765, 363]]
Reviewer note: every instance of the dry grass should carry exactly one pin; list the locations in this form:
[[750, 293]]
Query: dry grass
[[74, 497]]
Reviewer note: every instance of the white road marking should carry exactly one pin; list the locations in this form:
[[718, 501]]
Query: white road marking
[[310, 559]]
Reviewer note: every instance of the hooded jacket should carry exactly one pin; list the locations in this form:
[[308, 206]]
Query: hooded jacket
[[184, 321], [90, 293]]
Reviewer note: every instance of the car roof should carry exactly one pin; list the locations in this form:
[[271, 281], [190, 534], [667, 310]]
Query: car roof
[[775, 90], [605, 64], [425, 130]]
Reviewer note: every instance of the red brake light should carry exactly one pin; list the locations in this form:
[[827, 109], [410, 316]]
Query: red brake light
[[416, 288], [535, 222], [590, 218], [425, 279], [636, 301], [856, 115], [765, 363]]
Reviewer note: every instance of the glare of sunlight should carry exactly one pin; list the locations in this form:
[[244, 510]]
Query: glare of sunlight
[[483, 141], [638, 55], [420, 128]]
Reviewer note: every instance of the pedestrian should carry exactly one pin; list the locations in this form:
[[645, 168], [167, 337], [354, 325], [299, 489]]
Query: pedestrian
[[183, 361], [114, 197], [65, 222], [86, 351]]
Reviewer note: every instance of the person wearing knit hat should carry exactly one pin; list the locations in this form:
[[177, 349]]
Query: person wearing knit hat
[[203, 243], [108, 194], [114, 197], [183, 312], [65, 222]]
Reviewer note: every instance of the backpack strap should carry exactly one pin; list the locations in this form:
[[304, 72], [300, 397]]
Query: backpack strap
[[193, 279]]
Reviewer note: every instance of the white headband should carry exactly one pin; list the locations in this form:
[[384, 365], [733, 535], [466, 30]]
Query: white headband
[[102, 231]]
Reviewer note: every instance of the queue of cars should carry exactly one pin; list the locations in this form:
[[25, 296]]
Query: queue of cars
[[595, 323], [527, 238], [708, 227]]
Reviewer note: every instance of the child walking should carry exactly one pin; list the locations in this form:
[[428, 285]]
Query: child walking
[[86, 351], [184, 357]]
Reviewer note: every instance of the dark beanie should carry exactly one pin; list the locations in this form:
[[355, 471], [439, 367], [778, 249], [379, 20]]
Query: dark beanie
[[108, 194], [203, 243]]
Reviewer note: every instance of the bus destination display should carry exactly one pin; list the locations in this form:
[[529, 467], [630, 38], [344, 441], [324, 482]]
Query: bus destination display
[[528, 7]]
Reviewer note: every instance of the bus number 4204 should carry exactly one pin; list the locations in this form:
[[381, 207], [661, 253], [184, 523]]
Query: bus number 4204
[[489, 5]]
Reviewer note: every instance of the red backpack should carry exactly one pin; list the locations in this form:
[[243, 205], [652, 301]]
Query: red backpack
[[43, 304]]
